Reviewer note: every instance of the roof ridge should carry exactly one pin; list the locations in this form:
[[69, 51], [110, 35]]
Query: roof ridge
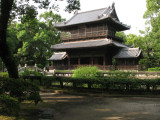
[[82, 13], [92, 10]]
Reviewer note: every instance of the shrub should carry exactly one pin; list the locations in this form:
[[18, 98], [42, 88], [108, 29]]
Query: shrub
[[14, 91], [9, 105], [19, 89], [87, 72], [28, 73], [154, 69], [3, 74]]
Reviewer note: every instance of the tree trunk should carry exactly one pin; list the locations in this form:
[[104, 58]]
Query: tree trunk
[[5, 54]]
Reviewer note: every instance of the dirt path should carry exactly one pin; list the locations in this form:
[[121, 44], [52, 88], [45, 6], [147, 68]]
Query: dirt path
[[76, 107]]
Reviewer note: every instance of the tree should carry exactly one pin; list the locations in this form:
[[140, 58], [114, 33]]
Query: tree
[[20, 8], [5, 54], [37, 37], [152, 15], [121, 35]]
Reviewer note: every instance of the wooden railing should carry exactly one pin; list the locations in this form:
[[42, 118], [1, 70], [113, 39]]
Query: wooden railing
[[92, 34]]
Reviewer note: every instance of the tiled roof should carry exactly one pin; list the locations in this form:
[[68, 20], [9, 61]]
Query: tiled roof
[[128, 53], [92, 16], [58, 56], [86, 44]]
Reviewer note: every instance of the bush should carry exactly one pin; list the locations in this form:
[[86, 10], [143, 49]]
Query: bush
[[17, 90], [3, 74], [113, 83], [87, 72], [154, 69], [28, 73], [9, 105]]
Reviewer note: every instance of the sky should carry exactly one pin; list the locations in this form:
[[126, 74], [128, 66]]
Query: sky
[[129, 12]]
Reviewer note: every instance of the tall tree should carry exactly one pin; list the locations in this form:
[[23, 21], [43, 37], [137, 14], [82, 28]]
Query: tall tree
[[21, 8], [37, 37], [152, 15]]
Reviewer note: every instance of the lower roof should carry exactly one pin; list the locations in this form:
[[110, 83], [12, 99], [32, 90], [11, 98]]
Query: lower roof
[[128, 53], [58, 56], [122, 54], [87, 44]]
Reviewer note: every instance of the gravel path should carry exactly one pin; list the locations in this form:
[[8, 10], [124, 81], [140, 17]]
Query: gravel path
[[77, 107]]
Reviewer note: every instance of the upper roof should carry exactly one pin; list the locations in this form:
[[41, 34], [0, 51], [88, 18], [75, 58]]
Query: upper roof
[[58, 56], [128, 53], [87, 44], [93, 16]]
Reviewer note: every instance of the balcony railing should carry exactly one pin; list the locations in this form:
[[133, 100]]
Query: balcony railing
[[93, 34]]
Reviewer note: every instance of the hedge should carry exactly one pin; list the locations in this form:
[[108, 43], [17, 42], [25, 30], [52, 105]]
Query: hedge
[[106, 82]]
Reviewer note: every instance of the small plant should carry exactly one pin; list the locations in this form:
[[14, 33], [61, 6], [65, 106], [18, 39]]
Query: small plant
[[87, 72]]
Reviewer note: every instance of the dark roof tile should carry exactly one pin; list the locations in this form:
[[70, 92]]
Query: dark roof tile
[[92, 16], [58, 56], [128, 53], [86, 44]]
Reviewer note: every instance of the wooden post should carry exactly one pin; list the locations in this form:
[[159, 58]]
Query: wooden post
[[61, 84], [91, 60], [104, 62], [2, 67], [69, 63], [89, 85], [79, 61], [74, 85]]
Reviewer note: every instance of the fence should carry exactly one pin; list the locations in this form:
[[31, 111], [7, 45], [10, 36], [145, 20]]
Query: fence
[[30, 68]]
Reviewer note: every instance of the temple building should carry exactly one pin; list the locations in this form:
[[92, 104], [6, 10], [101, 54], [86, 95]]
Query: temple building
[[88, 38]]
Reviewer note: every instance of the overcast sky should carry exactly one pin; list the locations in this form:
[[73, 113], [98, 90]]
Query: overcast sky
[[130, 12]]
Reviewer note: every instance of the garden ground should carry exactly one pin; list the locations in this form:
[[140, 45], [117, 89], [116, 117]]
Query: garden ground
[[63, 106]]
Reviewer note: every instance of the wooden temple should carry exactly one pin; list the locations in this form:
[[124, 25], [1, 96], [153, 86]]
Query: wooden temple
[[88, 38]]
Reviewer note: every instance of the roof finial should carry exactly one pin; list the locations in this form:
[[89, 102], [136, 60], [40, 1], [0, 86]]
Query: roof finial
[[112, 6], [75, 12]]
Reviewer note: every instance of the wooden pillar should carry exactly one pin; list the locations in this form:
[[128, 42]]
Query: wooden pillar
[[79, 61], [69, 62], [2, 67], [91, 60], [104, 62]]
